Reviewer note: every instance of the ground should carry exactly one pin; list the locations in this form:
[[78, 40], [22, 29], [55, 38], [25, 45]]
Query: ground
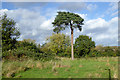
[[64, 68]]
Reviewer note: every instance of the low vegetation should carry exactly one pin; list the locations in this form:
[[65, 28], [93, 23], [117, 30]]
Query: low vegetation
[[62, 68], [52, 59]]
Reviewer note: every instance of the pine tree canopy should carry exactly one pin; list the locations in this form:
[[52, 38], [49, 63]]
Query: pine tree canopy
[[67, 19]]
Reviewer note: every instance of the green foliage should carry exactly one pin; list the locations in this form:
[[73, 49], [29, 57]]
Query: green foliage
[[26, 49], [29, 44], [9, 33], [83, 45], [100, 51], [118, 51], [57, 44], [108, 51], [23, 53], [94, 53], [66, 19]]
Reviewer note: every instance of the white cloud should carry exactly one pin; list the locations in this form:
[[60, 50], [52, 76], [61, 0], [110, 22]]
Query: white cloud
[[2, 11], [47, 24], [91, 7], [113, 9], [35, 26], [102, 31], [102, 36], [96, 23], [89, 34], [84, 16], [31, 24]]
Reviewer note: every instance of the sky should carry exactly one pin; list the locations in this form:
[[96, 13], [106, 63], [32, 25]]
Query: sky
[[34, 19]]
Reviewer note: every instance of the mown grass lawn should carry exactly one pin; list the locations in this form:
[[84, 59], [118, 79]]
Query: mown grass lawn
[[66, 68]]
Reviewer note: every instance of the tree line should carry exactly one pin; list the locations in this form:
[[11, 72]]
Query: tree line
[[56, 45]]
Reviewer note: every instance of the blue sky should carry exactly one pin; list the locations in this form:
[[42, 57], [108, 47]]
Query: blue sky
[[34, 19], [101, 7]]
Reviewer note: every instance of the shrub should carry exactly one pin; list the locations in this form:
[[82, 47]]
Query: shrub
[[28, 45], [94, 53], [83, 45], [100, 51], [20, 53]]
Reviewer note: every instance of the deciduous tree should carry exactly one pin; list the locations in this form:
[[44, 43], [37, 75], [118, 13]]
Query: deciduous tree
[[83, 45], [9, 33], [57, 44]]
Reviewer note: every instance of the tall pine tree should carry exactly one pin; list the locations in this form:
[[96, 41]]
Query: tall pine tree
[[67, 19]]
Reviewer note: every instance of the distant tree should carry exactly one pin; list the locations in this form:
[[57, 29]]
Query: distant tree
[[67, 19], [29, 40], [9, 33], [83, 45], [57, 43]]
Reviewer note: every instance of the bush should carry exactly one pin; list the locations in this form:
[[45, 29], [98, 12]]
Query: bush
[[26, 50], [28, 45], [101, 51], [83, 45], [94, 53], [18, 54]]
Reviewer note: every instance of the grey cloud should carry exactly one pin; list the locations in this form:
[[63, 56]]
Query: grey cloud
[[105, 35], [72, 6], [95, 30], [40, 37], [91, 7], [76, 6], [29, 23], [28, 4]]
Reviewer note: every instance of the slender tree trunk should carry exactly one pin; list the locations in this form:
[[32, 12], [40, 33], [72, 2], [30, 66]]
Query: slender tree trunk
[[72, 53]]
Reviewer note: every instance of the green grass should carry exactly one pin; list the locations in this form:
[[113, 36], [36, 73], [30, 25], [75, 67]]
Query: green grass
[[65, 68]]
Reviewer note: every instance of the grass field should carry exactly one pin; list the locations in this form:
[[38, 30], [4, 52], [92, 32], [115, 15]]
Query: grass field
[[63, 68]]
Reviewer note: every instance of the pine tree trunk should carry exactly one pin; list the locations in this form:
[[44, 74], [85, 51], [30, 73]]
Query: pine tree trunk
[[72, 53]]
